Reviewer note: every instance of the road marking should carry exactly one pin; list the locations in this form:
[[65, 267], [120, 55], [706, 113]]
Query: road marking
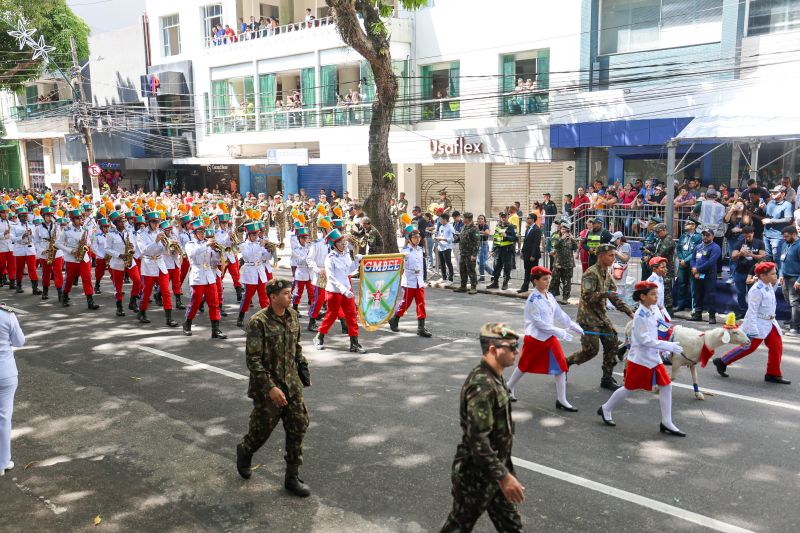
[[773, 403], [193, 365], [655, 505]]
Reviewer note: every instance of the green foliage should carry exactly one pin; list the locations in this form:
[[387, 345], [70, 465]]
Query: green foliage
[[52, 19], [389, 176]]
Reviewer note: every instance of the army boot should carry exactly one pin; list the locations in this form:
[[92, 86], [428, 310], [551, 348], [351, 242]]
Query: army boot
[[65, 300], [345, 331], [712, 318], [505, 284], [215, 331], [294, 484], [90, 303], [19, 287], [421, 331], [60, 294], [462, 288], [120, 312], [35, 288], [97, 287], [141, 316], [179, 303], [295, 307], [243, 462], [238, 294], [608, 381], [222, 311], [187, 328], [12, 285], [240, 320], [473, 290], [355, 346], [159, 300], [312, 324], [44, 293], [493, 285], [394, 323], [319, 341], [697, 316], [168, 315], [133, 305]]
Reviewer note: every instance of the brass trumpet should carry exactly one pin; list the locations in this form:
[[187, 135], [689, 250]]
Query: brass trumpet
[[217, 247]]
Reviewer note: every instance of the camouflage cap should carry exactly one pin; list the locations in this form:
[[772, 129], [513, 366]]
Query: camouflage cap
[[277, 285], [603, 248], [660, 227], [498, 330]]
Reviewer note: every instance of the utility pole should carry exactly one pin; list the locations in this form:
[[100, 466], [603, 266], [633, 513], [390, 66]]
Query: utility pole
[[82, 117]]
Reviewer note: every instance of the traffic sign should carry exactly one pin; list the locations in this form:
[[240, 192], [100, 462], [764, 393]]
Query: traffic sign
[[95, 170]]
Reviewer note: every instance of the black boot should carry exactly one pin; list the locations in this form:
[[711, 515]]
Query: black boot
[[355, 346], [35, 286], [345, 331], [421, 331], [168, 315], [187, 328], [238, 294], [294, 484], [493, 285], [133, 305], [141, 316], [215, 331], [240, 320], [3, 280], [178, 302], [159, 300], [319, 341], [19, 287], [90, 303], [721, 367], [120, 312], [712, 318], [394, 323], [295, 307], [608, 382], [312, 324], [97, 287], [12, 285], [697, 316], [60, 293], [222, 311], [44, 293], [65, 300], [505, 285], [243, 462]]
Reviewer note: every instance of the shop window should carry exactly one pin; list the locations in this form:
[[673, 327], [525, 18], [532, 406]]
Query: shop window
[[441, 88], [524, 83], [36, 173], [773, 16], [171, 35]]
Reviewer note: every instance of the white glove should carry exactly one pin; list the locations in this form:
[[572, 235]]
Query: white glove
[[359, 257], [676, 348], [577, 329], [567, 337], [349, 294]]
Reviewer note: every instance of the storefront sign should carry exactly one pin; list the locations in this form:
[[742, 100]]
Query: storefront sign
[[460, 147], [288, 156], [218, 169]]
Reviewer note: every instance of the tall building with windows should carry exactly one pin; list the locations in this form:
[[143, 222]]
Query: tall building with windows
[[287, 106]]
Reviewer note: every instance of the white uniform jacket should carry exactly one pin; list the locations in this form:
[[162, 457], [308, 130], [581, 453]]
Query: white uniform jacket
[[11, 336], [201, 271], [152, 253], [115, 247], [5, 236], [134, 237], [760, 316], [223, 237], [413, 273], [23, 241], [315, 259], [645, 346], [44, 235], [68, 240], [294, 244], [658, 280], [256, 261], [299, 255], [542, 313], [99, 245], [338, 267], [184, 237]]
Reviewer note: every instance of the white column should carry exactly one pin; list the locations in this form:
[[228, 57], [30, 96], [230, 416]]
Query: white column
[[477, 189]]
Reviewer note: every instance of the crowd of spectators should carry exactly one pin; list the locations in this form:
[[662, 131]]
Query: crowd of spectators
[[257, 28]]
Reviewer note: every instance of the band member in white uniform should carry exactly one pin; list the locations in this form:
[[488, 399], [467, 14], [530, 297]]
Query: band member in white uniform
[[11, 336], [253, 273]]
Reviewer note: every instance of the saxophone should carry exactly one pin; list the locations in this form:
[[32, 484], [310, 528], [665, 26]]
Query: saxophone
[[175, 249], [82, 247], [235, 242], [217, 247], [128, 253], [51, 248]]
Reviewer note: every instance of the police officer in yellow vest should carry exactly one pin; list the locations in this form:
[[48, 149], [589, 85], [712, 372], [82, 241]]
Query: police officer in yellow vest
[[594, 238], [505, 235]]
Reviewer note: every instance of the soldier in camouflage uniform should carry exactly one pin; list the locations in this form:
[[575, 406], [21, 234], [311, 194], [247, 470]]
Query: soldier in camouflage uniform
[[563, 245], [372, 236], [279, 215], [469, 242], [665, 247], [278, 373], [598, 286], [649, 246], [483, 476]]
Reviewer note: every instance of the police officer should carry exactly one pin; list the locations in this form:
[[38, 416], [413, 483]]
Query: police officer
[[563, 254], [704, 276], [278, 373], [505, 235], [598, 286], [665, 247], [594, 238], [686, 245], [483, 475]]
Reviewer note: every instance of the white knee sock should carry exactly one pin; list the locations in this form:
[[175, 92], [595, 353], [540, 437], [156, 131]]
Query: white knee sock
[[612, 403], [515, 377], [561, 389], [665, 399]]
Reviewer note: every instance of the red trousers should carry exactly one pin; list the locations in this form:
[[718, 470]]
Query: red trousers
[[163, 284], [337, 302], [174, 275], [233, 270], [249, 290], [136, 280], [82, 269], [184, 269], [198, 292], [99, 268], [55, 270], [774, 344], [8, 265], [22, 261], [318, 298], [412, 294], [299, 287]]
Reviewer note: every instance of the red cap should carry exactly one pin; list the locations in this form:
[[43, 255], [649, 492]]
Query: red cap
[[657, 260], [644, 286], [540, 271], [764, 267]]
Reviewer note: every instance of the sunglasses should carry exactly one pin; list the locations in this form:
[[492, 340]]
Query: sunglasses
[[513, 347]]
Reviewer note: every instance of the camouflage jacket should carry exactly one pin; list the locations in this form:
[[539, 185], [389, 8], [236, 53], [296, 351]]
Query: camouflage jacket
[[485, 412], [470, 241], [564, 251], [374, 241], [597, 286], [666, 248], [273, 348]]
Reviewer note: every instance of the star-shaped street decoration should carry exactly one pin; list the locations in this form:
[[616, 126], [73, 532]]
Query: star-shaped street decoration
[[23, 35], [42, 50]]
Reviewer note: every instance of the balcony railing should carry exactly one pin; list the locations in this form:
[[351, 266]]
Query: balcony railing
[[440, 109], [266, 31], [525, 103], [41, 110]]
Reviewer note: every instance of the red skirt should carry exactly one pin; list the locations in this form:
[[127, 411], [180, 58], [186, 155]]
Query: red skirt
[[542, 357], [640, 377]]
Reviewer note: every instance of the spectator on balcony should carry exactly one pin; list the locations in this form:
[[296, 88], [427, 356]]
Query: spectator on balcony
[[530, 97], [243, 29], [253, 27], [230, 35], [219, 34], [263, 26], [309, 18]]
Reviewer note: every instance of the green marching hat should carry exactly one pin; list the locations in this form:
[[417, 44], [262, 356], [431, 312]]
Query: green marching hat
[[61, 220], [252, 227], [185, 219], [262, 225], [130, 214], [48, 210], [338, 223], [209, 232], [153, 215], [302, 231], [22, 210], [165, 224], [297, 225], [3, 207], [87, 207], [139, 219], [37, 220], [197, 224], [409, 230], [74, 213], [334, 236], [224, 217], [114, 215], [103, 221]]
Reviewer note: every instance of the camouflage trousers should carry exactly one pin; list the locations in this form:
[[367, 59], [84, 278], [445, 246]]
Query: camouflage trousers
[[281, 228], [562, 282], [590, 346], [668, 290], [466, 270], [265, 417], [473, 495]]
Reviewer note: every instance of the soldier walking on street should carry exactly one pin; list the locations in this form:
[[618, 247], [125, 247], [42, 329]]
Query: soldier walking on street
[[469, 243], [598, 286], [278, 373], [564, 246], [483, 475]]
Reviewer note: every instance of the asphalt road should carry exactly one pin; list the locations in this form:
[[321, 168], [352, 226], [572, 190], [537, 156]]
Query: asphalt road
[[110, 423]]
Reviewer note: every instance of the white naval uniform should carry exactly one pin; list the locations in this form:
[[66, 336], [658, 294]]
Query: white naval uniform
[[115, 247], [256, 263], [315, 259], [201, 271], [541, 315], [760, 317], [299, 255], [99, 245], [43, 236], [152, 253], [294, 244], [171, 261], [223, 237], [5, 242], [658, 280]]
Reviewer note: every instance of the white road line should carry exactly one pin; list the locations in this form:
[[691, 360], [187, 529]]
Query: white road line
[[193, 365], [773, 403], [655, 505]]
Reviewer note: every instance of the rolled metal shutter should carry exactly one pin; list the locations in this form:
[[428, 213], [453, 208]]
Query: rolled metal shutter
[[448, 176], [547, 177], [314, 177], [364, 182], [509, 184]]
